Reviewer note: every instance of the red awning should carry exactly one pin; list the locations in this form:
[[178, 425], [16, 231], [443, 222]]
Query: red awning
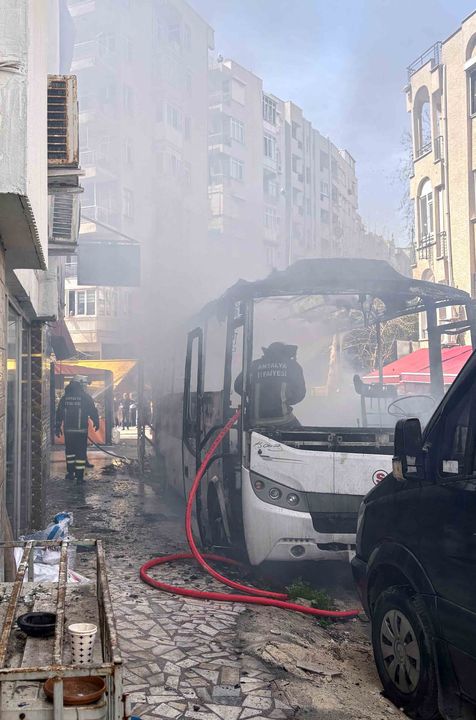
[[415, 367]]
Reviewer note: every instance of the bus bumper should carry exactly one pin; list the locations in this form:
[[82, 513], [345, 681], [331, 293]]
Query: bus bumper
[[282, 534]]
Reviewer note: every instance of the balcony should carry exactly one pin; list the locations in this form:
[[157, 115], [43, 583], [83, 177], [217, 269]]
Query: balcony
[[425, 248], [433, 55], [441, 245], [423, 150], [219, 138]]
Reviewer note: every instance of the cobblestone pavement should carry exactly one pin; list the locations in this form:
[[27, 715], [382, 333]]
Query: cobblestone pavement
[[182, 656]]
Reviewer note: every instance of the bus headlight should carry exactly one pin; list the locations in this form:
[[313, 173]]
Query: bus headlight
[[269, 491]]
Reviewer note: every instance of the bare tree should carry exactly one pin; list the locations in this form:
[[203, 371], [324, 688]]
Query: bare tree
[[402, 178], [360, 345]]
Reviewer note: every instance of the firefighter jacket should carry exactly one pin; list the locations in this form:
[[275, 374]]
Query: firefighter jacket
[[276, 384], [74, 410]]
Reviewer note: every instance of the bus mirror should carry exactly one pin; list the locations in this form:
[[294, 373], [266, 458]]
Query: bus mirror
[[408, 448]]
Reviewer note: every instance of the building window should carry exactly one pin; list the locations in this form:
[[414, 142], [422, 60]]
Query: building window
[[187, 36], [128, 99], [270, 187], [269, 147], [271, 220], [308, 175], [82, 302], [296, 195], [174, 117], [187, 128], [128, 49], [325, 216], [174, 34], [236, 169], [173, 164], [216, 170], [237, 130], [294, 129], [308, 206], [425, 204], [127, 203], [187, 173], [324, 158], [128, 154], [324, 189], [269, 109], [422, 122], [295, 163], [472, 91], [271, 255], [238, 91]]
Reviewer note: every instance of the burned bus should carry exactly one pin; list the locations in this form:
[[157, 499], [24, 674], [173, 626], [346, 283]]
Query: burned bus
[[290, 490]]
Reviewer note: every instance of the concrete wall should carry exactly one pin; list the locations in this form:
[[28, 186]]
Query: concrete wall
[[37, 148], [13, 95]]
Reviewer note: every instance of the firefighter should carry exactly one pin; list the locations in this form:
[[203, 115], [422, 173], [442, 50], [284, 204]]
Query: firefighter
[[276, 384], [73, 413]]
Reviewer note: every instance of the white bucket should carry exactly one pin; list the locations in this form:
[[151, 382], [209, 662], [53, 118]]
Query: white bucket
[[82, 637]]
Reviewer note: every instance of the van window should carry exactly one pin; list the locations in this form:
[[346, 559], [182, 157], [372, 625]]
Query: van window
[[455, 436]]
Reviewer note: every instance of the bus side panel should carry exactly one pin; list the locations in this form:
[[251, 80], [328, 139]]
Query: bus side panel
[[169, 440]]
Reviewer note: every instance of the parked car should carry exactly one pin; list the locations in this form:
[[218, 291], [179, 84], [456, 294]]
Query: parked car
[[415, 563]]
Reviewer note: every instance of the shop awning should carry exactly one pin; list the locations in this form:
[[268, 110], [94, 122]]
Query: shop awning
[[415, 367], [119, 368]]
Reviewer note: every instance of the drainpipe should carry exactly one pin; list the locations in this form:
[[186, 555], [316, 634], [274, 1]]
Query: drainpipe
[[447, 190]]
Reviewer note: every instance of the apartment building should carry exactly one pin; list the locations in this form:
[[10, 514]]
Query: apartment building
[[143, 88], [278, 189], [237, 165], [441, 100]]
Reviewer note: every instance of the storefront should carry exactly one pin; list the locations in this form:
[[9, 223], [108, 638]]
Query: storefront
[[18, 421]]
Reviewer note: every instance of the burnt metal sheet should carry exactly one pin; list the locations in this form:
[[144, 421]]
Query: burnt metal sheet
[[104, 598], [60, 604], [12, 603]]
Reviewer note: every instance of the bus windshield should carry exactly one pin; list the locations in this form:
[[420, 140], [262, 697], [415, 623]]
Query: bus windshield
[[346, 360]]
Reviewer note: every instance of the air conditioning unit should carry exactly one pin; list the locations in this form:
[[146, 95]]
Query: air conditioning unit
[[63, 221], [63, 143]]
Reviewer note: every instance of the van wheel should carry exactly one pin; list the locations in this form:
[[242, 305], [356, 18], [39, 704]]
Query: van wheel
[[403, 653]]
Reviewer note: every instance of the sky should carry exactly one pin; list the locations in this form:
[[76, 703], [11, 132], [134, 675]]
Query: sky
[[344, 62]]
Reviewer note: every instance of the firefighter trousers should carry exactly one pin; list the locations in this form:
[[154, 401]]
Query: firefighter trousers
[[75, 445]]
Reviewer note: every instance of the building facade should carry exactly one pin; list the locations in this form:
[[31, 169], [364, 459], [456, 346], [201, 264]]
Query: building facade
[[441, 100], [143, 88], [36, 178]]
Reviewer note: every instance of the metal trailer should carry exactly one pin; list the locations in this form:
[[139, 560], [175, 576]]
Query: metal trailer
[[111, 668]]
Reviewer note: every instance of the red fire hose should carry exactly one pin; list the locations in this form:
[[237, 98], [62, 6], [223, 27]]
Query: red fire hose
[[254, 595]]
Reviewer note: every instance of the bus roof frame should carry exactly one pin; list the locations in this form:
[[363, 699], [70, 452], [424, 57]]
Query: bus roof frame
[[401, 295]]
